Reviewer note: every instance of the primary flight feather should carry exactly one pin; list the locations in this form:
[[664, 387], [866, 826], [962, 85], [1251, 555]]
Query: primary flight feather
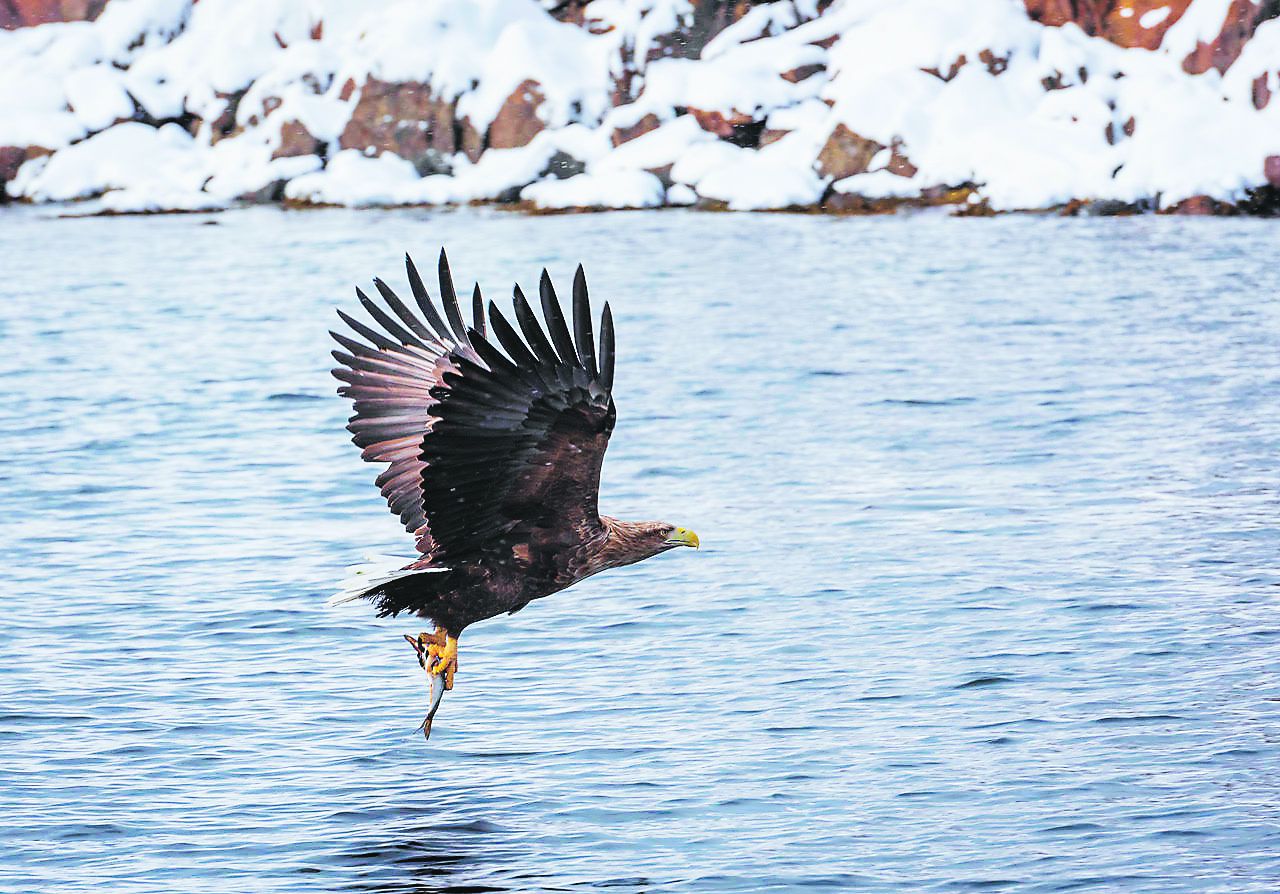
[[493, 435]]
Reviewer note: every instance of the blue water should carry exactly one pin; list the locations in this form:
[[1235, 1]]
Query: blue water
[[987, 598]]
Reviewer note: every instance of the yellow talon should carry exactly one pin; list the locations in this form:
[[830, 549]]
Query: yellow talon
[[443, 659], [427, 645]]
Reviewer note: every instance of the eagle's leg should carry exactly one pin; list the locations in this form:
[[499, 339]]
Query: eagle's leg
[[444, 659], [437, 653], [424, 642]]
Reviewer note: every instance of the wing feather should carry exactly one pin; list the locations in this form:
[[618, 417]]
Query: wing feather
[[424, 300], [493, 434], [394, 329], [555, 320], [449, 298], [606, 348], [582, 324]]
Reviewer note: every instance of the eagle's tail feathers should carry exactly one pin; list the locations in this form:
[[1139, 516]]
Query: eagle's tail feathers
[[367, 580]]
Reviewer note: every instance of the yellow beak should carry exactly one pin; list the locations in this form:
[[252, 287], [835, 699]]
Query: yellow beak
[[683, 537]]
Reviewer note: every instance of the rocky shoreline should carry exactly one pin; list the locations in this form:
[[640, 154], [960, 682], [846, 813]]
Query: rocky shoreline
[[1072, 107]]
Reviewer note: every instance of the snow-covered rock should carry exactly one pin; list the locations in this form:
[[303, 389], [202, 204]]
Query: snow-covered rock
[[847, 106]]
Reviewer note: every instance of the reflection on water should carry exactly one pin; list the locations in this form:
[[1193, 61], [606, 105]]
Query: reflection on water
[[986, 598]]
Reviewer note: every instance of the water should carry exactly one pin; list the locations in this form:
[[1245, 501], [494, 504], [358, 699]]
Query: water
[[987, 598]]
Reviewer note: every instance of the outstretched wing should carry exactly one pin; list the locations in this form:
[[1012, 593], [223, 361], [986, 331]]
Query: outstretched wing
[[390, 375], [494, 436]]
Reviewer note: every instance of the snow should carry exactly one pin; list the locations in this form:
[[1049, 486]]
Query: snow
[[616, 189], [152, 198], [351, 178], [878, 185], [993, 126], [126, 156], [659, 147], [679, 194], [760, 181], [1153, 17], [97, 96]]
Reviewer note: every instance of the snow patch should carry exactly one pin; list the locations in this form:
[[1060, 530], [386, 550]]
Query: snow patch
[[1153, 17], [613, 189], [126, 156]]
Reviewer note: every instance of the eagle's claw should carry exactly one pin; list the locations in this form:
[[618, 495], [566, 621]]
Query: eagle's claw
[[443, 660], [437, 653]]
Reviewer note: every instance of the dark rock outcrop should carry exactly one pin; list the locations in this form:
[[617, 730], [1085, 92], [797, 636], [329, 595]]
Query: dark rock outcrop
[[845, 153], [1271, 170], [1120, 21], [404, 118], [296, 140], [25, 13], [14, 157], [646, 124], [517, 121], [1243, 18]]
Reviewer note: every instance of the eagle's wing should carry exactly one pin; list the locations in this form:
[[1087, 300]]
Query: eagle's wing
[[487, 449]]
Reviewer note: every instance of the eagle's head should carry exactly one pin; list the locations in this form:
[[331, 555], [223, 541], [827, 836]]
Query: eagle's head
[[673, 536], [628, 542]]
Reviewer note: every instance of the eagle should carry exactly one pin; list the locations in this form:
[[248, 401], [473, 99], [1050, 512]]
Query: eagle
[[492, 436]]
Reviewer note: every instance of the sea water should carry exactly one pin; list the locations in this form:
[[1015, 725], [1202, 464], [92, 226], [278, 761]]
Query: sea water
[[987, 598]]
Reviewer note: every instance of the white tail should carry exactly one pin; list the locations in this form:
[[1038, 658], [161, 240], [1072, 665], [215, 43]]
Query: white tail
[[372, 574]]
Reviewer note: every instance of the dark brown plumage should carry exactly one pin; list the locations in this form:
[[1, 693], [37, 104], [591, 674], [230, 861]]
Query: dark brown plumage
[[493, 435]]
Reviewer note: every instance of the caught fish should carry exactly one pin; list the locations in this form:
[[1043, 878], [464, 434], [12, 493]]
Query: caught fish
[[438, 685]]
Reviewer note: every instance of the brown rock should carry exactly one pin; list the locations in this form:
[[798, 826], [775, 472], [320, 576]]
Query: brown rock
[[1261, 92], [1243, 16], [1053, 82], [348, 90], [1119, 21], [1202, 206], [850, 203], [296, 140], [402, 118], [663, 173], [932, 197], [270, 192], [951, 72], [571, 11], [899, 163], [517, 122], [995, 64], [845, 154], [1127, 30], [24, 13], [12, 158], [803, 72], [770, 135], [721, 124], [646, 124], [1271, 170], [472, 141], [1058, 12], [1102, 208], [225, 124]]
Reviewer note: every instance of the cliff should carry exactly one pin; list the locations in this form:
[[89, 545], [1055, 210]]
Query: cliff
[[1102, 106]]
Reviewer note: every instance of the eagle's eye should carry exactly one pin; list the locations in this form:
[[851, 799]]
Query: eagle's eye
[[681, 537]]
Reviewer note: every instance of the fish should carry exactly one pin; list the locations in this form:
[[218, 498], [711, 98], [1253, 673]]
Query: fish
[[438, 686]]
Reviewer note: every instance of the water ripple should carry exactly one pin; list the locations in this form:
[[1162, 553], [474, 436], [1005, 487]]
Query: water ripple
[[987, 601]]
